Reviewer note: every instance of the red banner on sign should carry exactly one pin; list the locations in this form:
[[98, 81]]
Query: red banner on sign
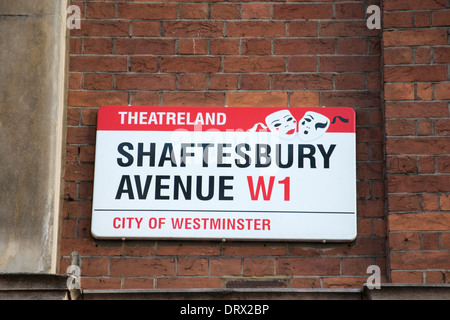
[[283, 120]]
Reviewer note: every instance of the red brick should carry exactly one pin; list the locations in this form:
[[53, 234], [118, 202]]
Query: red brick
[[224, 46], [256, 47], [413, 4], [255, 81], [98, 81], [80, 135], [96, 10], [152, 11], [97, 46], [398, 56], [403, 127], [415, 73], [102, 28], [139, 283], [79, 172], [351, 46], [258, 267], [441, 18], [193, 11], [193, 46], [303, 29], [142, 267], [416, 37], [420, 260], [192, 82], [302, 11], [96, 98], [146, 28], [357, 99], [224, 11], [193, 29], [256, 99], [416, 109], [255, 10], [371, 208], [310, 81], [424, 146], [145, 46], [189, 283], [401, 164], [190, 64], [442, 91], [349, 64], [350, 11], [267, 29], [424, 91], [443, 164], [143, 98], [418, 183], [183, 249], [419, 222], [74, 80], [254, 64], [346, 29], [307, 266], [404, 202], [192, 267], [444, 202], [98, 63], [143, 64], [406, 276], [303, 46], [224, 82], [398, 19], [304, 99], [302, 64], [348, 81], [404, 241], [441, 54], [180, 98], [226, 267], [145, 82]]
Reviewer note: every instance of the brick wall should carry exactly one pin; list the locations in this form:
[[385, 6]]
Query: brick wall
[[417, 93], [238, 53]]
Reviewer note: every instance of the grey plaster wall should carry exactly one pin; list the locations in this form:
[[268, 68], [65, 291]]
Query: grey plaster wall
[[32, 98]]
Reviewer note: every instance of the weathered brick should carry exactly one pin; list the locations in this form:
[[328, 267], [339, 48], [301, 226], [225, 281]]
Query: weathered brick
[[417, 37], [98, 63]]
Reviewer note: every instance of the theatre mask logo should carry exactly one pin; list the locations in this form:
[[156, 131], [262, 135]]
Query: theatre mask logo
[[225, 173]]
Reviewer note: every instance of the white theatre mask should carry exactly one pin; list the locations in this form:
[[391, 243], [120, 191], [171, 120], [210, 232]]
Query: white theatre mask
[[281, 122]]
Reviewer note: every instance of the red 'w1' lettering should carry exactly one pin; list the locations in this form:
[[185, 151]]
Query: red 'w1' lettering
[[267, 192]]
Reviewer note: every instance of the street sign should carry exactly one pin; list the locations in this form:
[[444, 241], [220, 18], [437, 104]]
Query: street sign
[[225, 173]]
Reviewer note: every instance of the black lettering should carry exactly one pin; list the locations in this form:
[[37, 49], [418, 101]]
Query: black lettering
[[326, 155], [178, 184], [262, 154], [129, 157], [310, 155], [290, 156], [242, 154], [221, 154], [142, 194], [167, 154], [142, 154], [205, 147], [129, 190], [184, 154], [159, 187], [223, 187], [210, 188]]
